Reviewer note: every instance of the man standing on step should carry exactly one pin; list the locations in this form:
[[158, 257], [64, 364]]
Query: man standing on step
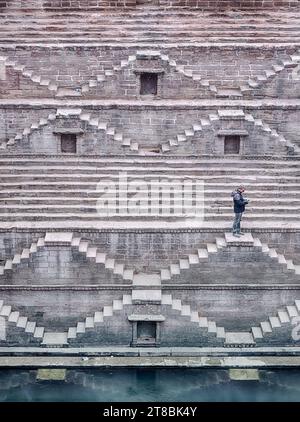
[[239, 203]]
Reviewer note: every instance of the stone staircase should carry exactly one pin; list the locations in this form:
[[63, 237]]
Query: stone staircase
[[114, 134], [202, 255], [63, 188], [152, 54], [21, 322], [181, 138], [145, 25], [146, 288], [201, 321], [100, 257], [27, 131], [141, 281], [32, 75], [68, 239], [291, 62], [269, 74], [276, 323], [229, 114], [10, 264], [92, 321]]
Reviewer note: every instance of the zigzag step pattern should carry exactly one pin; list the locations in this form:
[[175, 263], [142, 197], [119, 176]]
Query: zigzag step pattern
[[21, 321], [28, 131], [34, 77], [284, 316], [82, 115], [81, 245], [141, 282], [254, 82], [202, 255], [165, 147], [226, 115]]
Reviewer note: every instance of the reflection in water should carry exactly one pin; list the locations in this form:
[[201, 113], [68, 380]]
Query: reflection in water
[[182, 385]]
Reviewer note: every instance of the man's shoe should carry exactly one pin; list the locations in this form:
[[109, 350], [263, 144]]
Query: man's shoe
[[236, 234], [241, 233]]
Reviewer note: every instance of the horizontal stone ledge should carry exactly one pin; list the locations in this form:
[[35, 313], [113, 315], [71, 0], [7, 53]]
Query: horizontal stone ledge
[[156, 104], [13, 228], [239, 132], [173, 286], [121, 287], [70, 131], [61, 43], [143, 317], [149, 351], [165, 287], [136, 159], [151, 360]]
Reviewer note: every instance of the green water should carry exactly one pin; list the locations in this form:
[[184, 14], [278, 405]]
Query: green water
[[177, 385]]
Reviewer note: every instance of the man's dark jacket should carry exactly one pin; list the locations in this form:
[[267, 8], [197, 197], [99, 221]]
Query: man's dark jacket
[[238, 202]]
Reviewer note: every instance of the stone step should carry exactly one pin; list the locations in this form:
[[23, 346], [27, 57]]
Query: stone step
[[98, 317], [268, 195], [239, 338], [14, 317], [283, 317], [72, 333], [292, 311], [250, 176], [55, 339], [166, 299], [76, 217], [107, 311], [22, 322], [39, 332], [55, 162], [266, 327], [176, 304], [257, 333], [30, 327], [80, 329], [5, 311], [203, 322], [274, 322], [146, 198], [297, 304], [89, 322]]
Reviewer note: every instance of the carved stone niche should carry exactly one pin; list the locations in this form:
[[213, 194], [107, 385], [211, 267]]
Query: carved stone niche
[[232, 141], [149, 82], [145, 330], [68, 139]]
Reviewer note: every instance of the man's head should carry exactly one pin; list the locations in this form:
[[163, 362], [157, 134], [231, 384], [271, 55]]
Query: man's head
[[241, 188]]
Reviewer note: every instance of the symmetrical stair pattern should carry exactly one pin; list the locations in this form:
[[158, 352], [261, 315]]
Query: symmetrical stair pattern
[[202, 255], [208, 122], [81, 245], [101, 125], [252, 83], [146, 288], [134, 146]]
